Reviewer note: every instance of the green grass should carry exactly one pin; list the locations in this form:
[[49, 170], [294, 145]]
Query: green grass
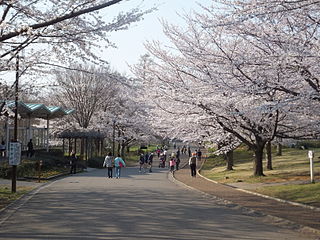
[[293, 165], [289, 168], [6, 197], [302, 193]]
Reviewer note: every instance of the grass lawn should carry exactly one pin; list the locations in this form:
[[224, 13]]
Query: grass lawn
[[6, 197], [291, 169], [302, 193]]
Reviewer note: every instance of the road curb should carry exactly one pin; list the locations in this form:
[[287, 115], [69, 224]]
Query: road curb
[[264, 196], [9, 210]]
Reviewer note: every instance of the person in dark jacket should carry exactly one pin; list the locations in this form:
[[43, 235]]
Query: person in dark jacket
[[199, 154], [73, 163], [141, 161], [193, 164], [30, 149], [178, 158]]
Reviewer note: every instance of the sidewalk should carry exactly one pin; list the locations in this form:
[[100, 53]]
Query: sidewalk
[[304, 219]]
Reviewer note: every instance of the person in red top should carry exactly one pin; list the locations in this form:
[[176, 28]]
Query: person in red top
[[172, 163]]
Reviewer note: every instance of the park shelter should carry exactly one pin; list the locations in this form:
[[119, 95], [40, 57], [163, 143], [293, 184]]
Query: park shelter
[[28, 113], [88, 143]]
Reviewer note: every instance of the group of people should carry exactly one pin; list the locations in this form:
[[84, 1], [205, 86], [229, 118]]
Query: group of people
[[145, 162], [184, 149], [30, 150], [117, 163], [174, 161]]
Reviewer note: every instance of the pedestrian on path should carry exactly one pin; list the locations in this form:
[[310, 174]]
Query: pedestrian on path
[[165, 154], [150, 161], [108, 163], [193, 164], [172, 163], [141, 161], [199, 154], [158, 152], [162, 161], [177, 159], [189, 151], [73, 163], [118, 163], [145, 162]]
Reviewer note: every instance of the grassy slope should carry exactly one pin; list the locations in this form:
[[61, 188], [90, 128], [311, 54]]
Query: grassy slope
[[293, 166]]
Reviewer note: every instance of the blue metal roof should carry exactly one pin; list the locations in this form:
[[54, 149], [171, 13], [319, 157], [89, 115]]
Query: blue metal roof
[[35, 110]]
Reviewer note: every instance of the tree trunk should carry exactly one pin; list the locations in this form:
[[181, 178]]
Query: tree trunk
[[258, 166], [82, 148], [279, 149], [269, 155], [229, 160], [122, 149]]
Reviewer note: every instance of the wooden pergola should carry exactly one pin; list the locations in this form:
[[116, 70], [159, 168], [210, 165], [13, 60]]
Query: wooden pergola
[[86, 143]]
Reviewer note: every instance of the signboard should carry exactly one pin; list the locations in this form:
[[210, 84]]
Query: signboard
[[310, 154], [14, 153]]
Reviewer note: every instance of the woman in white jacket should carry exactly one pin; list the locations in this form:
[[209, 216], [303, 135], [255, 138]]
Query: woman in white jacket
[[108, 162]]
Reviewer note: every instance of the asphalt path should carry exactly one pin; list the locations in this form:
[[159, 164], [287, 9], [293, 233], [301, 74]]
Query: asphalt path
[[136, 206]]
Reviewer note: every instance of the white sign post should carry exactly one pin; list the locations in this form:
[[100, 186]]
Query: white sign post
[[311, 156], [14, 153]]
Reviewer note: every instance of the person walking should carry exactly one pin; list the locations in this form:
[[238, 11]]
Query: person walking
[[141, 161], [118, 163], [183, 149], [150, 161], [177, 158], [145, 163], [199, 154], [172, 163], [158, 152], [73, 163], [162, 161], [193, 164], [165, 154], [30, 148], [189, 151], [108, 163]]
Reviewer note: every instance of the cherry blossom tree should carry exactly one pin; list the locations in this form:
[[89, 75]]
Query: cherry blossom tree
[[220, 70], [54, 33], [103, 100]]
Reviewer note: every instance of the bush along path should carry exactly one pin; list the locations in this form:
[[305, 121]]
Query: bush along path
[[301, 218]]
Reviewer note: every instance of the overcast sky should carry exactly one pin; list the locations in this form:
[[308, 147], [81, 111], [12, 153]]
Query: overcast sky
[[130, 42]]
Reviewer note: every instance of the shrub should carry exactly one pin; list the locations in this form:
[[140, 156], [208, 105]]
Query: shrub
[[95, 162]]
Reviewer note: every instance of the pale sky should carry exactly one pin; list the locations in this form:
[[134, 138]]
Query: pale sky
[[130, 42]]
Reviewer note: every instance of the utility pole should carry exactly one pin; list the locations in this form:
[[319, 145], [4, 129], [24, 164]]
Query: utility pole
[[15, 133], [113, 137]]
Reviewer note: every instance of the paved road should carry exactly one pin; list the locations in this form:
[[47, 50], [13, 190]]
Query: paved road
[[136, 206]]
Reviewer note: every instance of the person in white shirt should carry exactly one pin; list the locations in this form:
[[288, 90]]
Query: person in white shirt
[[108, 163]]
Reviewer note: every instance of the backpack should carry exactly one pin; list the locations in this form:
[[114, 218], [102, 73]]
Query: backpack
[[193, 160]]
